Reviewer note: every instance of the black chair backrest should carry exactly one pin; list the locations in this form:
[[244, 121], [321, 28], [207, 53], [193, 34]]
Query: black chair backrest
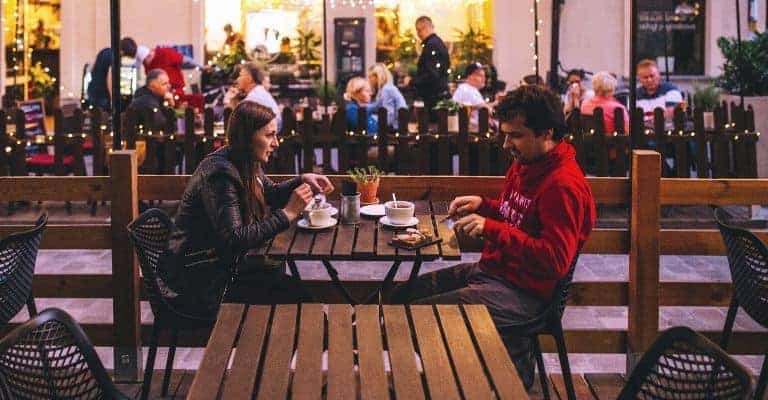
[[149, 234], [748, 260], [50, 357], [18, 253], [560, 293], [682, 364]]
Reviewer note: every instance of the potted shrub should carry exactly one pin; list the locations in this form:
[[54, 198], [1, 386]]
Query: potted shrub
[[747, 71], [453, 113], [367, 183], [707, 98]]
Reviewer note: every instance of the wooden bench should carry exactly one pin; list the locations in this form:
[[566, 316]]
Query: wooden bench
[[280, 351]]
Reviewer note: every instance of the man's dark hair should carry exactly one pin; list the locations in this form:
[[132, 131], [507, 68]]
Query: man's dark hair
[[541, 108], [155, 74], [128, 47], [471, 68], [575, 72], [533, 80]]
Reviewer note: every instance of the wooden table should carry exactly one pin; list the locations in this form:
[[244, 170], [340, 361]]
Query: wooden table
[[366, 241], [314, 351]]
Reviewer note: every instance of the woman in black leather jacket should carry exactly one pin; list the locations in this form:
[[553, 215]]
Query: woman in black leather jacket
[[229, 207]]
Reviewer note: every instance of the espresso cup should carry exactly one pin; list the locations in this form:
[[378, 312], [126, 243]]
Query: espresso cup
[[320, 216], [401, 214]]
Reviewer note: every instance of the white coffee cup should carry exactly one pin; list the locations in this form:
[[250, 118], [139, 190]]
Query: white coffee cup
[[401, 214], [319, 216]]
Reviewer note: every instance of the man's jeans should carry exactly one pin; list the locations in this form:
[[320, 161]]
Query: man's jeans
[[468, 284]]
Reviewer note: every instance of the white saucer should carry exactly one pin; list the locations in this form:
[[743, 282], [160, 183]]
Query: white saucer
[[305, 225], [373, 210], [385, 221]]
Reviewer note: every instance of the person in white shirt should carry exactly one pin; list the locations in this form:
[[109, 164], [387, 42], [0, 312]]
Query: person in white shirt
[[253, 83], [468, 93]]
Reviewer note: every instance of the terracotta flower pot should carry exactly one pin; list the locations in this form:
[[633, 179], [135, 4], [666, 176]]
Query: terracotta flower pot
[[369, 192]]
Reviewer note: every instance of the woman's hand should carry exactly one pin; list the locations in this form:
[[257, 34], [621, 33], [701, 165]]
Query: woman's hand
[[298, 201], [318, 183]]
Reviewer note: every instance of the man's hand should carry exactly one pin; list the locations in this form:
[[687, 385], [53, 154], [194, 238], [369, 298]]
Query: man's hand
[[472, 225], [318, 183], [464, 205]]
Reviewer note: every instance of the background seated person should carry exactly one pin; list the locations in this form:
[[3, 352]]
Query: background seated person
[[387, 95], [575, 93], [358, 95], [153, 103], [468, 92], [532, 231], [653, 93], [230, 207], [604, 85]]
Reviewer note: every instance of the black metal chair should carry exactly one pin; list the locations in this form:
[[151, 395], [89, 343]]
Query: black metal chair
[[548, 322], [50, 357], [748, 261], [682, 364], [149, 234], [18, 253]]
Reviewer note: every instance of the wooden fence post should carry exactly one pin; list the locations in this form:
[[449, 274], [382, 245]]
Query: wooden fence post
[[125, 271], [644, 254]]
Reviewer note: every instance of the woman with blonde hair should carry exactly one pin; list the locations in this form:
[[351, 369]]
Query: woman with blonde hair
[[387, 94], [358, 95], [604, 85]]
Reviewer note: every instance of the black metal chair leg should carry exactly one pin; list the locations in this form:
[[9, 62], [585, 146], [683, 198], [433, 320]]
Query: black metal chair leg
[[337, 283], [150, 367], [169, 361], [728, 327], [762, 381], [540, 366], [565, 366], [31, 307]]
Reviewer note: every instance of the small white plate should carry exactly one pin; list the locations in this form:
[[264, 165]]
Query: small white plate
[[305, 225], [385, 221], [373, 210]]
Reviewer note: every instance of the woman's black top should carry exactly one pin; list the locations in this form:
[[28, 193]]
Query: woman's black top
[[210, 236]]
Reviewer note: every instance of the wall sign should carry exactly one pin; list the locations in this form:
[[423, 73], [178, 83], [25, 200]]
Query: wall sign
[[34, 116], [680, 26]]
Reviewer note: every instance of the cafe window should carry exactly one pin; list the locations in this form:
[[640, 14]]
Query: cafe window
[[677, 25]]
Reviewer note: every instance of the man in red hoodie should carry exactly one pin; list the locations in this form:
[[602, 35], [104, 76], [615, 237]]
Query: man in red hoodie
[[532, 231]]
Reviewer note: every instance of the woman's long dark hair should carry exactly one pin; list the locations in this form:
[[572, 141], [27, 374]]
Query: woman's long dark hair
[[246, 119]]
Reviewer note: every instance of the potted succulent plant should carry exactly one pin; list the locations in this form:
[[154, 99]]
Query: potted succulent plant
[[367, 180], [453, 113], [707, 98]]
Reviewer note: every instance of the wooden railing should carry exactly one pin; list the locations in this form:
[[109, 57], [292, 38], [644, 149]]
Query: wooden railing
[[644, 241]]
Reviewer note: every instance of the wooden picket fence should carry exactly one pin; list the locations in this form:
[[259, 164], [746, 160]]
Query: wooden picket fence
[[644, 241]]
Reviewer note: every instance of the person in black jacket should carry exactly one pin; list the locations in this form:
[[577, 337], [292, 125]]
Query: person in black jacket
[[230, 207], [153, 103], [431, 80]]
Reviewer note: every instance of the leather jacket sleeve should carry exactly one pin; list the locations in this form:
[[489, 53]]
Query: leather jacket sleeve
[[277, 194], [222, 205]]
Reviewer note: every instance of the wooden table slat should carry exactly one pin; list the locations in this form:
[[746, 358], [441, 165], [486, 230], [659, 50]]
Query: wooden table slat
[[274, 380], [366, 231], [373, 379], [242, 378], [324, 242], [216, 357], [449, 248], [308, 378], [302, 242], [470, 372], [341, 374], [425, 223], [281, 244], [345, 239], [500, 367], [383, 237], [434, 358], [405, 374]]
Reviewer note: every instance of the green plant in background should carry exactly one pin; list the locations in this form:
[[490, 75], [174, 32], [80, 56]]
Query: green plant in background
[[706, 97], [750, 68], [308, 46], [472, 45], [362, 175], [42, 83], [227, 63], [450, 105], [406, 52], [321, 88]]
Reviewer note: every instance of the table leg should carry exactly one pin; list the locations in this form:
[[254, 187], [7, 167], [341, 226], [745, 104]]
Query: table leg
[[413, 276], [387, 283], [294, 269], [334, 275]]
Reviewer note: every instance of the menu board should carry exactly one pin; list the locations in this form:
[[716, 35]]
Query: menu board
[[34, 116]]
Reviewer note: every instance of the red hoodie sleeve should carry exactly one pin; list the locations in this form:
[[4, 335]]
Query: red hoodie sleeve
[[562, 214], [489, 208]]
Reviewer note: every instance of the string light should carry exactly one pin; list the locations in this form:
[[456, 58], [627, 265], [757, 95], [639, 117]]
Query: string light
[[536, 30]]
